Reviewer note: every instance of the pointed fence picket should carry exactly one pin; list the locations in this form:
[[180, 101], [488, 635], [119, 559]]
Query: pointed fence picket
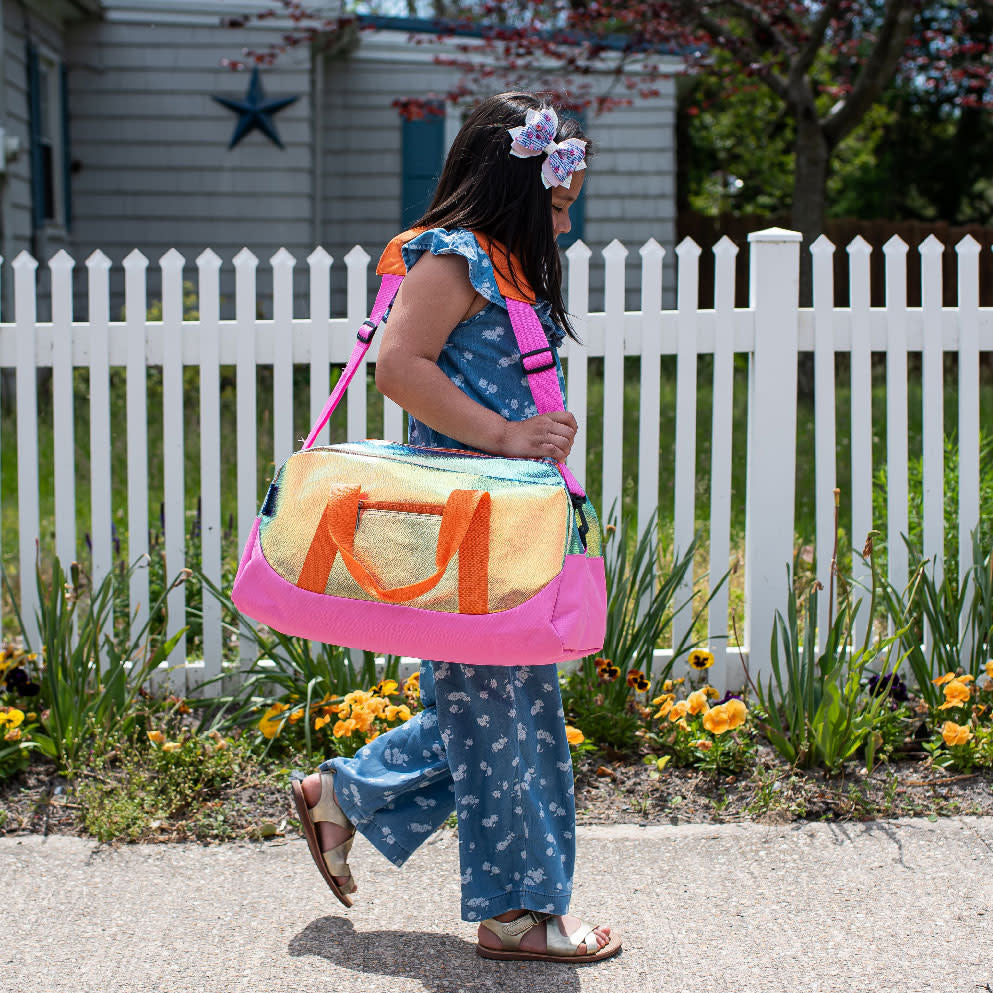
[[771, 332]]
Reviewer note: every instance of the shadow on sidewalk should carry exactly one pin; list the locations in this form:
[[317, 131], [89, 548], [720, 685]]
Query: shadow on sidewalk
[[443, 963]]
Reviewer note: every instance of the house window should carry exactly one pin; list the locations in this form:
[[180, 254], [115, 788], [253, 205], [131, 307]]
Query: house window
[[423, 157], [49, 139]]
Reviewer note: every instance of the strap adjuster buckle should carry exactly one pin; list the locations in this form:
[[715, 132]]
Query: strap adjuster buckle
[[369, 327], [583, 527], [538, 366]]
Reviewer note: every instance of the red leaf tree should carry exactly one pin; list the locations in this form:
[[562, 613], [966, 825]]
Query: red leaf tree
[[826, 61]]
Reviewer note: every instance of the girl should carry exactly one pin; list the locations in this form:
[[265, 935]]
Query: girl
[[490, 741]]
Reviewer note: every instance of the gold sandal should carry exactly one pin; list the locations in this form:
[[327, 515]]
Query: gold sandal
[[334, 861], [559, 947]]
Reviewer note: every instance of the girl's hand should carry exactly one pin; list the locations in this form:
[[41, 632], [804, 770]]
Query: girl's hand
[[546, 436]]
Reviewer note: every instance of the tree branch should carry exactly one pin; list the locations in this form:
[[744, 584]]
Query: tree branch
[[878, 70], [744, 54], [802, 63]]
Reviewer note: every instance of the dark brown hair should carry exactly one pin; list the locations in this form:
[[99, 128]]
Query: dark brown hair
[[486, 189]]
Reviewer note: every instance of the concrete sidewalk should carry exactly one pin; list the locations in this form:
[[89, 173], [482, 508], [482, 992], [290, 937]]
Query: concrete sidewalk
[[900, 906]]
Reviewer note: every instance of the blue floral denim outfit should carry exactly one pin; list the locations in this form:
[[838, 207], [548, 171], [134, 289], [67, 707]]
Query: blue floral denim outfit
[[489, 741]]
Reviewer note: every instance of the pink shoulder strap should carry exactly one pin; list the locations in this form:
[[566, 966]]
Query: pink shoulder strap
[[537, 357]]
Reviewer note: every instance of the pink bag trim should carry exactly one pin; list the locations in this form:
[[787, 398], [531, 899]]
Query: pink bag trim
[[565, 620]]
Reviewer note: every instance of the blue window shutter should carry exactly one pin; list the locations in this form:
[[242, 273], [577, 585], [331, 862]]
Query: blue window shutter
[[423, 157], [577, 212], [37, 164], [66, 156]]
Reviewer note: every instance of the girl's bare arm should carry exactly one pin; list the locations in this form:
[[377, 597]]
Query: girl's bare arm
[[434, 297]]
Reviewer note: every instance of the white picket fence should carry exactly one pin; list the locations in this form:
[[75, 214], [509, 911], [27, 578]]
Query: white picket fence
[[771, 331]]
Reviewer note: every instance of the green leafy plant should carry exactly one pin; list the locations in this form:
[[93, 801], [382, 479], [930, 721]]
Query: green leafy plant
[[288, 671], [81, 696], [816, 708], [959, 618], [602, 696]]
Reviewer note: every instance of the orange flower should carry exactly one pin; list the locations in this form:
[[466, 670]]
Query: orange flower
[[637, 681], [703, 745], [941, 680], [344, 728], [955, 734], [956, 693], [665, 708], [659, 700], [736, 711], [678, 711], [319, 722], [716, 720], [156, 737], [573, 735], [696, 702], [682, 725], [371, 736]]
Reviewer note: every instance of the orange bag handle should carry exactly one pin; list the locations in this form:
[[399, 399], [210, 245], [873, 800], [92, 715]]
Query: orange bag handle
[[465, 528]]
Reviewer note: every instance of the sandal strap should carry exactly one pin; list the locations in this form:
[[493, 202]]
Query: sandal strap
[[326, 809], [336, 859], [512, 932], [558, 943]]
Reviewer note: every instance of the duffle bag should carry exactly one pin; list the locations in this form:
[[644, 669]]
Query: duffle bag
[[441, 554]]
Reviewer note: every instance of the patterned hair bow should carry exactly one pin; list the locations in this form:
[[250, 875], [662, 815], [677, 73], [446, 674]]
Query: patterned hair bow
[[537, 137]]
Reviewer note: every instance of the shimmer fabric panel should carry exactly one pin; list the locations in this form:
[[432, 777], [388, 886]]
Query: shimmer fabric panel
[[531, 521]]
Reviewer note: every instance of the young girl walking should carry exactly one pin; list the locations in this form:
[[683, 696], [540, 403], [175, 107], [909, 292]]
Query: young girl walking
[[489, 741]]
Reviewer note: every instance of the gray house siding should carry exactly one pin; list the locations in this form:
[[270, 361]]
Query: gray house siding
[[631, 183], [23, 25], [154, 170]]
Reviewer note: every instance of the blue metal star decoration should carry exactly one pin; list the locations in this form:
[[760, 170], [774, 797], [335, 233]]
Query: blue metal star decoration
[[255, 112]]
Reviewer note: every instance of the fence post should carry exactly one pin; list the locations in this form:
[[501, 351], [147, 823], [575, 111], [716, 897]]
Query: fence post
[[771, 467], [28, 514]]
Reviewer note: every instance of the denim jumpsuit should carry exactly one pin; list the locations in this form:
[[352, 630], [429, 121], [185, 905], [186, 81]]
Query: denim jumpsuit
[[489, 741]]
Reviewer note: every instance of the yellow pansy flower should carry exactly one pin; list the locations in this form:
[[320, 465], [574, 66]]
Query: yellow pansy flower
[[941, 680], [319, 722], [678, 711], [270, 724], [386, 687], [661, 699], [573, 735], [11, 716], [710, 691], [343, 728], [700, 658]]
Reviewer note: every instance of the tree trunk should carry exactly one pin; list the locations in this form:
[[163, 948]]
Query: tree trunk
[[813, 153]]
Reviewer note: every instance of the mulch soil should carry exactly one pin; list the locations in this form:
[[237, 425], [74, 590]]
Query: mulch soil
[[609, 790]]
